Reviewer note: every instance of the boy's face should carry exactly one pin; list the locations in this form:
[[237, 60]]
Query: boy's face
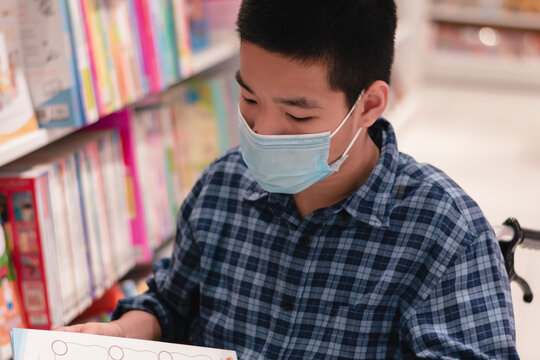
[[283, 96]]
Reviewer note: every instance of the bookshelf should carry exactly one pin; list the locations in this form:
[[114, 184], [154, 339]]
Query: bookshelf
[[223, 46], [218, 55], [487, 42]]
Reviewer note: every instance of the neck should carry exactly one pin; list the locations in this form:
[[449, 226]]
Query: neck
[[350, 177]]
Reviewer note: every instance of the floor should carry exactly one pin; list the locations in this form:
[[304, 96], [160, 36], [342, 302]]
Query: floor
[[487, 138]]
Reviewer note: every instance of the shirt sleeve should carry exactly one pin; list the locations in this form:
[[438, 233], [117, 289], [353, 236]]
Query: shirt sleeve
[[173, 292], [469, 314]]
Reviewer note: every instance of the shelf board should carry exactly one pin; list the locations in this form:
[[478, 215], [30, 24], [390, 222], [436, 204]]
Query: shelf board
[[443, 65], [477, 16], [224, 45], [27, 143]]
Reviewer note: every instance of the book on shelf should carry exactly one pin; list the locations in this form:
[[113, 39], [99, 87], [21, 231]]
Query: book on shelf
[[50, 65], [70, 241], [36, 344], [28, 216], [17, 115], [12, 315], [102, 64], [164, 40], [199, 27], [183, 39], [166, 146]]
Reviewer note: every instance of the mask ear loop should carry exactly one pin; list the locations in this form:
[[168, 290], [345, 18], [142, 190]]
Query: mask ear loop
[[337, 164], [348, 115]]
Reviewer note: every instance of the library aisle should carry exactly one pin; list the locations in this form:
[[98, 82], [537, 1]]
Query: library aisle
[[487, 139]]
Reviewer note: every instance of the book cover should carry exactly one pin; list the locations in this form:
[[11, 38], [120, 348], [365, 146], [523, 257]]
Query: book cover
[[12, 314], [25, 211], [50, 65], [40, 344], [16, 110]]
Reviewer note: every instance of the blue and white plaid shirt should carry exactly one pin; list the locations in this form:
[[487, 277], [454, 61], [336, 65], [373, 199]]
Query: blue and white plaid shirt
[[405, 267]]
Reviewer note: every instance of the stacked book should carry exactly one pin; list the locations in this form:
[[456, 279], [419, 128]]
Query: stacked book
[[66, 209]]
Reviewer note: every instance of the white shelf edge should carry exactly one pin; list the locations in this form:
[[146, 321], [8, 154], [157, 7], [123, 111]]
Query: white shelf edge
[[473, 15], [444, 65], [20, 146], [224, 45]]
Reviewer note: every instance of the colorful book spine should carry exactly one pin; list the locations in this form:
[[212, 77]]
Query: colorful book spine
[[112, 71], [137, 46], [183, 41], [106, 95], [50, 66], [116, 52], [128, 52], [199, 27], [147, 45], [82, 55]]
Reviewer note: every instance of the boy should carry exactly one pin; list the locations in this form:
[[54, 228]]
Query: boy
[[317, 238]]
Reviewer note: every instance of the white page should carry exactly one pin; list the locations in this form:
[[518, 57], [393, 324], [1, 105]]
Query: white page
[[44, 344]]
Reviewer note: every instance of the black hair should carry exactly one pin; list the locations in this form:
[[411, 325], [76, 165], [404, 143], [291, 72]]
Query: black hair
[[353, 38]]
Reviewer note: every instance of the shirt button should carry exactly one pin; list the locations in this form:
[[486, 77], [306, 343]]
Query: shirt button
[[287, 305], [304, 241]]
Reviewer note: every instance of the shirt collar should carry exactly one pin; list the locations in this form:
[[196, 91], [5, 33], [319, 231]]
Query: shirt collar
[[371, 202]]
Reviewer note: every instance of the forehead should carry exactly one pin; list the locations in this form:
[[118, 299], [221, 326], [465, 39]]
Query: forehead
[[275, 74]]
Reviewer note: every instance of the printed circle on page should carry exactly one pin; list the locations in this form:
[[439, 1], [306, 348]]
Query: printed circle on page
[[59, 348], [164, 355], [116, 353]]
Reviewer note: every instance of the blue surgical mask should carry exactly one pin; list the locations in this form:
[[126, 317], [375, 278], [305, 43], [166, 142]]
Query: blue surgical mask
[[289, 164]]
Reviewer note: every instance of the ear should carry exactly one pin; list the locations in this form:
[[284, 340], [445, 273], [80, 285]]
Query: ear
[[373, 102]]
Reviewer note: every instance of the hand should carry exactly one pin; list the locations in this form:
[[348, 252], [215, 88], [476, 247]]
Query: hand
[[109, 329]]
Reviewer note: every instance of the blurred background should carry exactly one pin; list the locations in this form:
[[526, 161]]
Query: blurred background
[[473, 110]]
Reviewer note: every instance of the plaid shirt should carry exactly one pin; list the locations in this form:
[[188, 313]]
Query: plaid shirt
[[405, 267]]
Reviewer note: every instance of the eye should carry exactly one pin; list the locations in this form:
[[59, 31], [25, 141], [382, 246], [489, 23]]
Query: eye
[[249, 101], [299, 118]]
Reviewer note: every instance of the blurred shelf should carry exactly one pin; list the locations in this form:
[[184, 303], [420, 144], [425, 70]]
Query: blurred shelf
[[449, 66], [223, 46], [479, 16], [27, 143]]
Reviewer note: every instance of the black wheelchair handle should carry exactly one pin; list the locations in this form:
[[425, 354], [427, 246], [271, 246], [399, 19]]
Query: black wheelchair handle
[[510, 235]]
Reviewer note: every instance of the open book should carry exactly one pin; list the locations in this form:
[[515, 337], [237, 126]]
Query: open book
[[44, 344]]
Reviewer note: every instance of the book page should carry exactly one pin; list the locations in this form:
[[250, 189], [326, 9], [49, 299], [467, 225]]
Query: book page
[[55, 345]]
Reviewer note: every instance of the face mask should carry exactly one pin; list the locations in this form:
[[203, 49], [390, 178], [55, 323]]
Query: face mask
[[289, 164]]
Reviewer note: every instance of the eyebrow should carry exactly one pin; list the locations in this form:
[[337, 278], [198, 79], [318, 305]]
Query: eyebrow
[[301, 102], [242, 83]]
